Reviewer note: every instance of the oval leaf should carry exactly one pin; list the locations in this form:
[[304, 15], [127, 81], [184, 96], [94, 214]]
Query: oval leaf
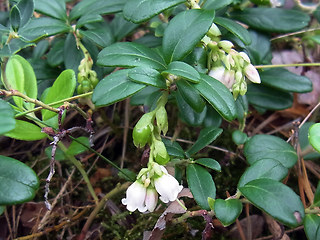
[[26, 131], [267, 146], [206, 136], [148, 76], [18, 183], [312, 226], [276, 199], [140, 10], [209, 163], [201, 185], [183, 70], [7, 121], [218, 96], [184, 32], [227, 211], [53, 8], [115, 87], [173, 148], [314, 136], [129, 54]]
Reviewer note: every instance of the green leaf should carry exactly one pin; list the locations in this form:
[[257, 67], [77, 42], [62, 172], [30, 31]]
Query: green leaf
[[267, 146], [76, 148], [234, 28], [26, 131], [147, 76], [201, 185], [312, 226], [26, 8], [227, 211], [96, 7], [4, 29], [276, 199], [315, 38], [40, 49], [314, 136], [38, 28], [264, 168], [129, 54], [316, 200], [183, 70], [55, 55], [218, 96], [173, 148], [282, 79], [138, 11], [63, 87], [114, 88], [209, 163], [207, 135], [15, 18], [2, 208], [72, 54], [268, 98], [216, 4], [191, 95], [198, 59], [85, 19], [14, 46], [18, 182], [52, 8], [184, 32], [264, 19], [7, 121], [102, 35], [121, 27]]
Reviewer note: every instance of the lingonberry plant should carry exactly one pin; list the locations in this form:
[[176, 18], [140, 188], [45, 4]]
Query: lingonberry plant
[[176, 75]]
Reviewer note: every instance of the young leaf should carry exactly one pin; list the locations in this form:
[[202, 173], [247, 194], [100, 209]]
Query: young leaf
[[115, 87], [173, 148], [184, 32], [264, 19], [26, 131], [264, 168], [52, 8], [218, 96], [15, 18], [183, 70], [129, 54], [276, 199], [284, 80], [19, 182], [138, 11], [227, 211], [26, 8], [201, 185], [234, 28], [207, 135], [267, 146], [312, 226], [209, 163], [148, 76], [7, 121], [314, 136], [14, 46], [63, 87]]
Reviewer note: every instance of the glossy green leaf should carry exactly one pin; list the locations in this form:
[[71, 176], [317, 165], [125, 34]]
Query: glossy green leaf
[[209, 163], [304, 141], [26, 8], [7, 121], [183, 70], [52, 8], [102, 35], [242, 108], [96, 7], [38, 28], [227, 211], [121, 27], [267, 146], [72, 55], [129, 54], [282, 79], [147, 76], [276, 199], [40, 49], [85, 19], [316, 200], [14, 46], [15, 18], [268, 98], [207, 135], [173, 148], [184, 32], [4, 29], [115, 87], [234, 28], [63, 87], [264, 19], [55, 55], [264, 168], [201, 185], [190, 95], [239, 137], [26, 131], [198, 59], [215, 4], [218, 96], [18, 183], [312, 226], [138, 11], [314, 136], [76, 148]]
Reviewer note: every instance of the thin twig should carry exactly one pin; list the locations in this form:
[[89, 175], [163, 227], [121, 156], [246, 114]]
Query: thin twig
[[125, 131]]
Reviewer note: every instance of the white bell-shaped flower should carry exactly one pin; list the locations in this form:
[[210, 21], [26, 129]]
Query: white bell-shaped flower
[[167, 186], [135, 197], [225, 76], [252, 74], [151, 199]]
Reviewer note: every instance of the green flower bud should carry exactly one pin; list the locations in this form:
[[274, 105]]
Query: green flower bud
[[161, 155], [142, 131], [86, 86], [225, 45], [214, 31], [162, 119], [79, 89]]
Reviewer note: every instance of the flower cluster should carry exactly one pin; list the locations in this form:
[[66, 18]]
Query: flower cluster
[[143, 193]]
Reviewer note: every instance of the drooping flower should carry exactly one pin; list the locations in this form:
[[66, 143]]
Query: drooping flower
[[135, 197], [151, 199], [225, 76], [252, 73], [167, 186]]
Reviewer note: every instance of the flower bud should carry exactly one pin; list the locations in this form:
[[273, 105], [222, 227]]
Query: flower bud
[[252, 74], [214, 31], [243, 88], [162, 119], [244, 57], [151, 199], [142, 131], [225, 45], [161, 155]]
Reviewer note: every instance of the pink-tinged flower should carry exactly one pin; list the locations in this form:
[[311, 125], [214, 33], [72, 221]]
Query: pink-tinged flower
[[252, 74], [217, 73], [227, 77], [135, 197], [167, 186], [151, 199]]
